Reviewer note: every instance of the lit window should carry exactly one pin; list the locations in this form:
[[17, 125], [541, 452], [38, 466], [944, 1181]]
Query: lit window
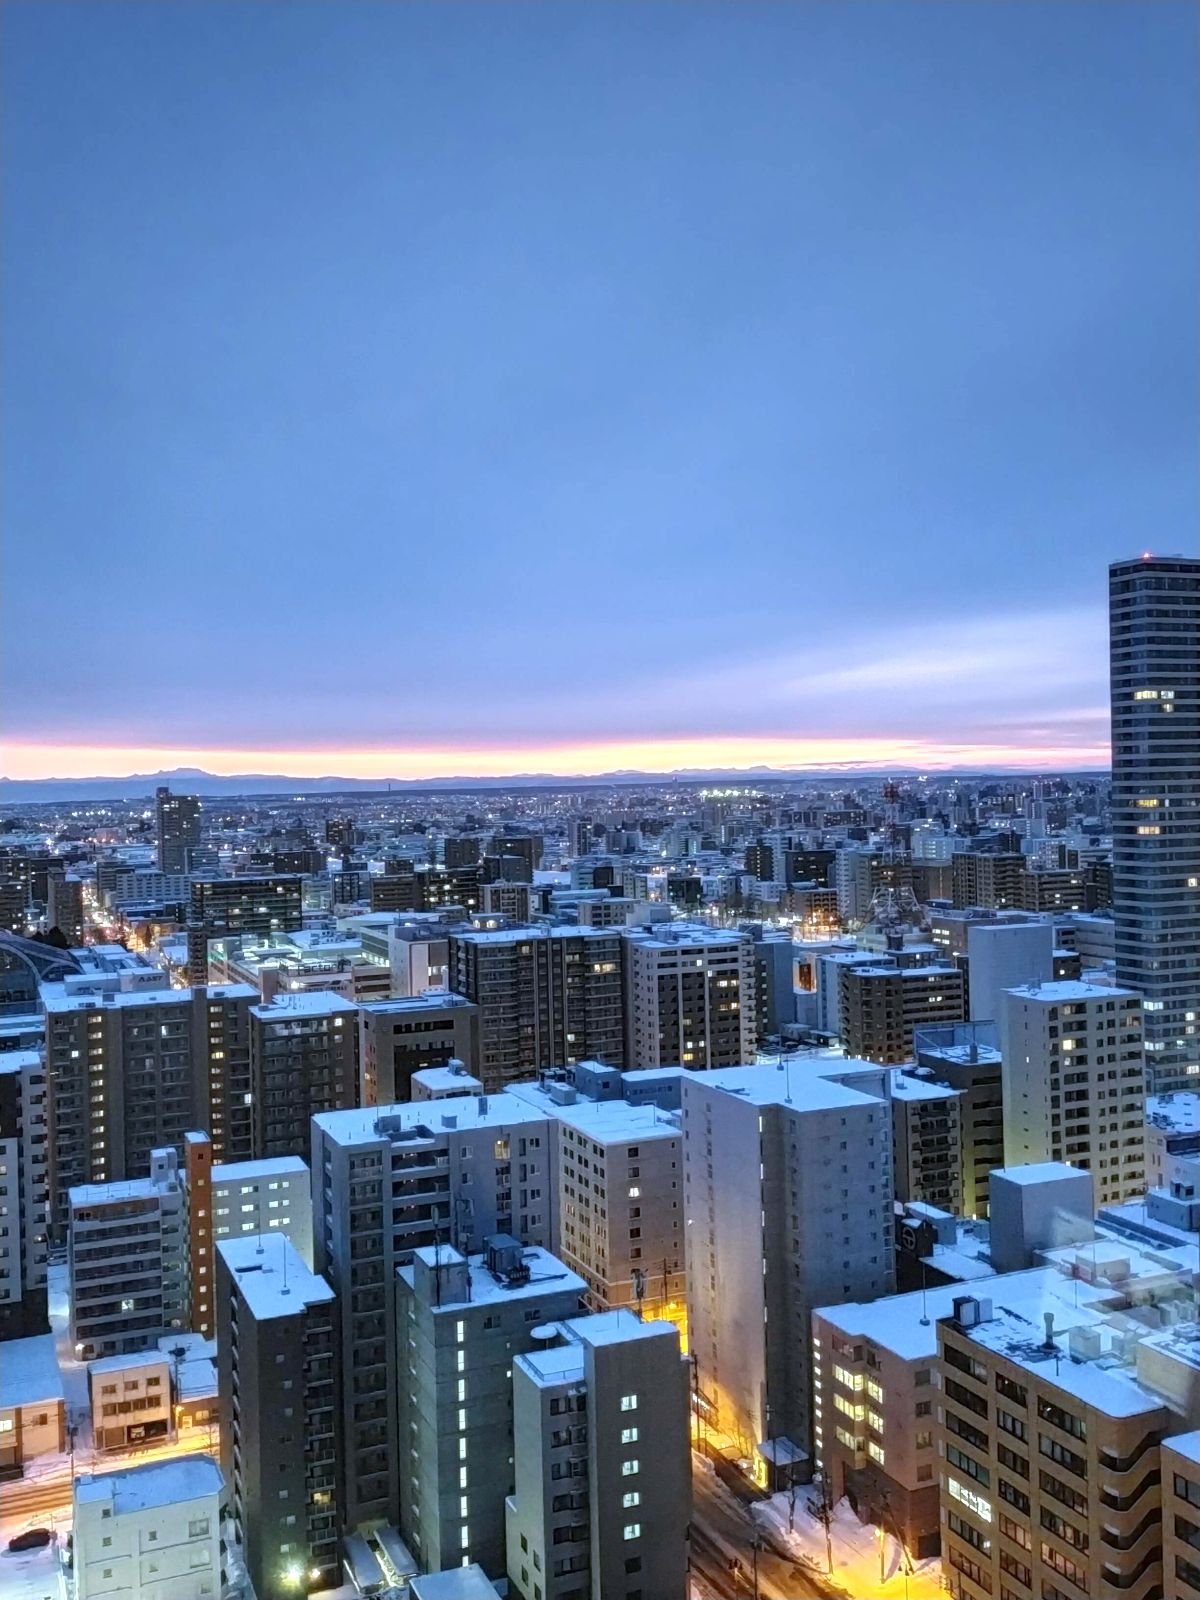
[[629, 1402], [630, 1499], [633, 1530], [628, 1468]]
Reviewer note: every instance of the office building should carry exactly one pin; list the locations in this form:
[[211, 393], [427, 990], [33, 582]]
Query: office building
[[460, 1321], [224, 907], [881, 1005], [546, 997], [1074, 1086], [24, 1194], [400, 1037], [277, 1379], [149, 1533], [303, 1061], [1154, 625], [178, 817], [389, 1180], [619, 1216], [127, 1260], [813, 1228], [690, 997], [603, 1498]]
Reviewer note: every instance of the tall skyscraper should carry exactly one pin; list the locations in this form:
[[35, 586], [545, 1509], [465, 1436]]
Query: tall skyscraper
[[1154, 645], [178, 829]]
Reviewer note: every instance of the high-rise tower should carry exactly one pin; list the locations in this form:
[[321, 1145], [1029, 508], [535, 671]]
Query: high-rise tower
[[1154, 646]]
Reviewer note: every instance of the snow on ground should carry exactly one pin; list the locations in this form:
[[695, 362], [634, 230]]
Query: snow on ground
[[856, 1546], [32, 1575]]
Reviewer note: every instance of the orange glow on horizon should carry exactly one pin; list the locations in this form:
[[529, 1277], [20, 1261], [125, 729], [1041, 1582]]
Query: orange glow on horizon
[[720, 753]]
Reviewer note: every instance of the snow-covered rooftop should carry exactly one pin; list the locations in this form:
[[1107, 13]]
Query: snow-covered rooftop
[[271, 1275], [29, 1372], [258, 1171], [157, 1483], [426, 1118]]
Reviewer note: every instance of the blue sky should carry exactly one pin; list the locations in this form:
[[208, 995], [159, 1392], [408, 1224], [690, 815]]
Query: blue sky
[[531, 378]]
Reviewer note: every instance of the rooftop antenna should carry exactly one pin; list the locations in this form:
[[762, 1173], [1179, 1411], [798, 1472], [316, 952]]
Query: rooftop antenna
[[924, 1303]]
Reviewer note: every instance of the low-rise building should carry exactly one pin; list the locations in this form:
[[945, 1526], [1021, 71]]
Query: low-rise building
[[32, 1403], [131, 1399], [149, 1533]]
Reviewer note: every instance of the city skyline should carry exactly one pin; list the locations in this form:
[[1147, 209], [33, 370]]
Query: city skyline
[[827, 423]]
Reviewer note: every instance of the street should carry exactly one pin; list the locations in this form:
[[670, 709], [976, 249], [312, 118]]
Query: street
[[721, 1530]]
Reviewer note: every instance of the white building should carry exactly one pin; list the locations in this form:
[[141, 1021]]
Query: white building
[[274, 1194], [1172, 1136], [620, 1196], [127, 1253], [460, 1321], [130, 1398], [1073, 1082], [603, 1469], [150, 1532], [788, 1205], [1004, 953]]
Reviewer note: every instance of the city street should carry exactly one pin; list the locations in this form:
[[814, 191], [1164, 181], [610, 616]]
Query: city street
[[722, 1531]]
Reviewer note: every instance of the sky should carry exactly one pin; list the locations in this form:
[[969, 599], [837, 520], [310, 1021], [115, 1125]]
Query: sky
[[426, 389]]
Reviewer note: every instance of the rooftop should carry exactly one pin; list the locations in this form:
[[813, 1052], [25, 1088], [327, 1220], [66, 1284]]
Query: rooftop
[[403, 1005], [158, 1483], [132, 1358], [781, 1085], [1174, 1113], [1065, 990], [20, 1060], [602, 1120], [1186, 1445], [905, 1087], [425, 1118], [29, 1372], [303, 1003], [1038, 1172], [455, 1583], [264, 1167], [271, 1275], [547, 1274]]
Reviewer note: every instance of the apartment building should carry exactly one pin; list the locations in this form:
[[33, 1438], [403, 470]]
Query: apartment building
[[149, 1533], [303, 1061], [619, 1216], [399, 1037], [1181, 1516], [178, 818], [690, 996], [546, 997], [965, 1056], [460, 1321], [881, 1005], [1074, 1085], [127, 1260], [602, 1499], [277, 1381], [24, 1194], [389, 1180], [788, 1198], [927, 1155], [231, 906]]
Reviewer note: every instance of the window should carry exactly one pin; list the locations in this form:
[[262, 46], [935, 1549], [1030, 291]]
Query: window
[[958, 1458], [1016, 1531], [629, 1402], [632, 1530], [968, 1497], [630, 1499], [1066, 1420], [629, 1435], [630, 1467]]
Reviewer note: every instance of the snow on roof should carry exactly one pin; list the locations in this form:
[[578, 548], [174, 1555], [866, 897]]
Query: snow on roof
[[1186, 1445], [547, 1275], [1064, 990], [905, 1087], [427, 1000], [1174, 1113], [455, 1583], [447, 1078], [20, 1060], [426, 1118], [29, 1372], [264, 1167], [303, 1003], [271, 1275], [606, 1121], [562, 1363], [132, 1358], [777, 1085], [1038, 1172], [615, 1327], [157, 1483]]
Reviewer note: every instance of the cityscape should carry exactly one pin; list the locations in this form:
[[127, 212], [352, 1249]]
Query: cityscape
[[600, 806]]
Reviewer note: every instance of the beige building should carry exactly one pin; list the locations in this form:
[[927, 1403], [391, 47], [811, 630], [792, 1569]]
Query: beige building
[[1074, 1082], [690, 996], [131, 1399], [33, 1418]]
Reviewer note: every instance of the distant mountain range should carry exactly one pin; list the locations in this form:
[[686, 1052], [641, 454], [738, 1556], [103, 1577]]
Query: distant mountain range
[[193, 780]]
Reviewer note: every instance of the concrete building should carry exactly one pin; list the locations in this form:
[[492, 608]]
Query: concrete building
[[1074, 1086], [133, 1065], [546, 997], [303, 1061], [1181, 1516], [1172, 1135], [33, 1407], [24, 1194], [1003, 954], [231, 906], [603, 1499], [989, 879], [278, 1382], [881, 1006], [282, 964], [1154, 622], [387, 1181], [619, 1215], [1035, 1208], [926, 1141], [149, 1533], [451, 1082], [127, 1259], [966, 1057], [460, 1321], [690, 997], [131, 1399], [178, 818], [814, 1228], [64, 907], [400, 1037]]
